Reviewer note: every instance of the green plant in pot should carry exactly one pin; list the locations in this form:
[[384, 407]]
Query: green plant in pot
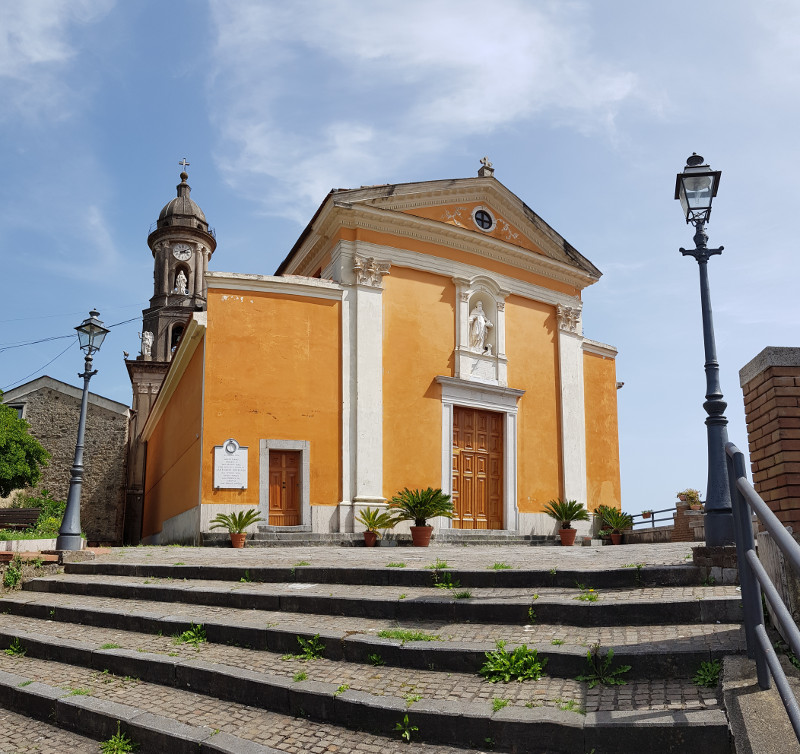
[[236, 523], [373, 520], [566, 511], [418, 506], [617, 521], [647, 513], [691, 496]]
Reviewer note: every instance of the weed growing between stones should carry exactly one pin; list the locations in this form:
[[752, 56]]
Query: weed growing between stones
[[406, 729], [708, 674], [411, 698], [437, 565], [463, 595], [79, 692], [781, 646], [499, 567], [119, 743], [341, 689], [310, 649], [24, 683], [402, 596], [531, 615], [195, 635], [246, 578], [376, 660], [600, 670], [110, 645], [522, 664], [710, 581], [406, 635], [553, 571], [16, 648], [13, 573], [395, 565], [557, 642], [498, 704], [569, 705], [445, 580], [587, 595]]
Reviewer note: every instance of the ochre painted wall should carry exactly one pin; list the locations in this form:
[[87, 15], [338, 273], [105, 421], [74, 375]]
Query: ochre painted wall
[[172, 474], [456, 255], [532, 350], [602, 440], [418, 337], [273, 371]]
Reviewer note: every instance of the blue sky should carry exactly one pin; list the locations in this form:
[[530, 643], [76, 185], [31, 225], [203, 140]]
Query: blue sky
[[586, 109]]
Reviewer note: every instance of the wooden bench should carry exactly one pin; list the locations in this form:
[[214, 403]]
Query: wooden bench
[[19, 518]]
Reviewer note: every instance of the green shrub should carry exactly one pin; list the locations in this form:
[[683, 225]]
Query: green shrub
[[522, 664]]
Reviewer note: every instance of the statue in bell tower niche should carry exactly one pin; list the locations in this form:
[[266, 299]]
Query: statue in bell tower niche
[[147, 344], [181, 284], [479, 326]]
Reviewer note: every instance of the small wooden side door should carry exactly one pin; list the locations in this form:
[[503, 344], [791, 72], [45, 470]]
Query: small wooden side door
[[284, 487]]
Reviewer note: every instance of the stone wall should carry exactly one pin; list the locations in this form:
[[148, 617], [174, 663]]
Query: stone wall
[[52, 410], [771, 387]]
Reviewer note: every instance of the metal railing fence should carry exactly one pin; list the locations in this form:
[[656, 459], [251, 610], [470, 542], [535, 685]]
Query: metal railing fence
[[754, 578], [642, 521]]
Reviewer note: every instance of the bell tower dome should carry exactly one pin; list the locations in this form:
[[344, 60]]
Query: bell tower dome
[[181, 243]]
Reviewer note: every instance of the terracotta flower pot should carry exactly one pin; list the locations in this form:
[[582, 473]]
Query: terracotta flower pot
[[421, 535], [567, 537], [616, 539], [646, 514], [237, 540], [370, 538]]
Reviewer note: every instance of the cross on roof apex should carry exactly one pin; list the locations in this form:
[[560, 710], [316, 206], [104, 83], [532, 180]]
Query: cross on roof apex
[[486, 170]]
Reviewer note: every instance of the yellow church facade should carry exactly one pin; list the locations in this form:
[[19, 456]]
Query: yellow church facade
[[420, 334]]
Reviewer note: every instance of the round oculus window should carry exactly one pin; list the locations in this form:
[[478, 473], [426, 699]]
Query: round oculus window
[[483, 219]]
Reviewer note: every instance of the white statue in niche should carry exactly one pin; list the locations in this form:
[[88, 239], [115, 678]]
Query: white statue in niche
[[479, 326], [180, 283], [147, 344]]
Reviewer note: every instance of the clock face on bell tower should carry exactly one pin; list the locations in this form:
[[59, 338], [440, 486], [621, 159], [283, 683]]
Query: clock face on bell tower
[[182, 251]]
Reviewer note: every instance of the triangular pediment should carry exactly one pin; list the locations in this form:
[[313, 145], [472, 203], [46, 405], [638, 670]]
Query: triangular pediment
[[480, 206]]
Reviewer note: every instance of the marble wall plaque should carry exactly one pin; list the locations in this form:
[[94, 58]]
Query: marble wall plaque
[[230, 466]]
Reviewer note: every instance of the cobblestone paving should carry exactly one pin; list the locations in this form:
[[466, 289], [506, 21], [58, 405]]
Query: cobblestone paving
[[725, 636], [394, 681], [23, 735], [477, 557], [559, 595], [288, 734]]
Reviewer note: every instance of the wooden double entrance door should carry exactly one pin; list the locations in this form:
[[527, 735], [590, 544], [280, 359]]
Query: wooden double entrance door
[[477, 469], [284, 487]]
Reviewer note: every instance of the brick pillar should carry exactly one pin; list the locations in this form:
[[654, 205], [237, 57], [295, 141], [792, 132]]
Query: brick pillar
[[771, 387]]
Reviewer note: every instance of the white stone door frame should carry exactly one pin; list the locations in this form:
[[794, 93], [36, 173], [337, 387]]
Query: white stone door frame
[[264, 447], [501, 400]]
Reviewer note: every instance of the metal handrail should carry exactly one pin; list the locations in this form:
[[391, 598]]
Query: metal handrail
[[753, 578], [652, 520]]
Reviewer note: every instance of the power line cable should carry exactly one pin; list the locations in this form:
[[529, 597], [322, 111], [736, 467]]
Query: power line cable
[[40, 369]]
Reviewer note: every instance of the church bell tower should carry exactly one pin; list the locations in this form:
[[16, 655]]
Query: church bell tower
[[182, 244]]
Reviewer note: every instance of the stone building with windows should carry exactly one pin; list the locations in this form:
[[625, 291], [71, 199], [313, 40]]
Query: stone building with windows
[[418, 334], [52, 410]]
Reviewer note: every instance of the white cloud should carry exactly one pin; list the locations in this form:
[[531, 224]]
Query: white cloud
[[393, 82], [34, 50]]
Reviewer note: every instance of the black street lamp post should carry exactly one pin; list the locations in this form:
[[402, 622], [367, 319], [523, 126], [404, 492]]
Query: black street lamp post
[[90, 336], [696, 187]]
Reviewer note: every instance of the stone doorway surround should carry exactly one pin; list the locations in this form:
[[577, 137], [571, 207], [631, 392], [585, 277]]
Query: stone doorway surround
[[502, 400], [304, 447]]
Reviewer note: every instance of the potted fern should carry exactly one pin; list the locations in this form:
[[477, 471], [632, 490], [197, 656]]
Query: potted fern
[[566, 511], [418, 506], [236, 523], [373, 520]]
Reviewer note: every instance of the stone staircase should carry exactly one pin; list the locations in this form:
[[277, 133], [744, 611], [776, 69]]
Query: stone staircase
[[266, 537], [400, 653]]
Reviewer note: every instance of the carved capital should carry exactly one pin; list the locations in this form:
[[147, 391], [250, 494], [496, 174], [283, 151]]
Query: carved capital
[[501, 306], [465, 297], [569, 317], [369, 271]]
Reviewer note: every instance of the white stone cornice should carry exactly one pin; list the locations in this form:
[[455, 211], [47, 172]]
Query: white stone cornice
[[599, 349], [448, 268], [191, 339], [289, 285]]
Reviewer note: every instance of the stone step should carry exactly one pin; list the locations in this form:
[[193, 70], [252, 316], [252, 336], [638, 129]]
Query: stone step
[[379, 574], [21, 734], [644, 606], [164, 708], [662, 652]]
